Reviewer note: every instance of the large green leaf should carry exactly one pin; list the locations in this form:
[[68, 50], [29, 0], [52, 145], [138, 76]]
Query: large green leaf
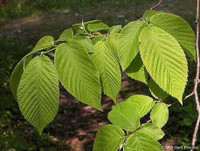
[[164, 60], [142, 102], [178, 28], [66, 35], [38, 92], [128, 45], [108, 138], [141, 142], [125, 115], [77, 73], [109, 69], [17, 73], [136, 69], [156, 91], [44, 43], [152, 130], [159, 114]]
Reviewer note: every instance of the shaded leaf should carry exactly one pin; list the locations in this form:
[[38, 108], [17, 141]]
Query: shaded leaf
[[17, 73], [136, 69], [156, 91]]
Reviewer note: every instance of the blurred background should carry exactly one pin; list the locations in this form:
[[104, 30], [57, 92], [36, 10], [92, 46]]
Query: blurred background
[[24, 22]]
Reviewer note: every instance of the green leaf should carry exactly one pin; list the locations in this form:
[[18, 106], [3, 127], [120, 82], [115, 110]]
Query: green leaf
[[128, 44], [44, 43], [125, 115], [179, 29], [159, 114], [17, 73], [136, 69], [114, 29], [66, 35], [87, 43], [72, 60], [79, 32], [142, 102], [141, 142], [38, 92], [108, 138], [109, 69], [164, 60], [156, 91], [97, 39], [98, 26], [149, 13], [152, 130], [112, 43], [77, 26]]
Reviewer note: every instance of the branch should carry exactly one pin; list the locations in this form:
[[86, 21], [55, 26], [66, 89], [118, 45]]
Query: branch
[[196, 83], [156, 5]]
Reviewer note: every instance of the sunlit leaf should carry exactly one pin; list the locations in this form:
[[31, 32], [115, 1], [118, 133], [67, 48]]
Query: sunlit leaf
[[142, 102], [38, 92], [44, 43], [179, 29], [66, 35], [159, 114], [108, 138], [77, 73], [109, 69], [128, 44], [125, 115], [164, 60], [141, 142], [152, 130]]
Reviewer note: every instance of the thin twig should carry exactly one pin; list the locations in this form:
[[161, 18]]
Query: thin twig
[[189, 95], [156, 5], [194, 138]]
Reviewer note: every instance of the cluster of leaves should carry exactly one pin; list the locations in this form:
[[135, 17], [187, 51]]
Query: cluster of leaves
[[89, 59]]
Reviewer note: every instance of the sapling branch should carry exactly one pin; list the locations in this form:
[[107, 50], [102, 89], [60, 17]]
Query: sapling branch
[[196, 82], [156, 5]]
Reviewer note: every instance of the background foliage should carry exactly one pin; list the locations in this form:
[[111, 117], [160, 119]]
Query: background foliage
[[23, 23]]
